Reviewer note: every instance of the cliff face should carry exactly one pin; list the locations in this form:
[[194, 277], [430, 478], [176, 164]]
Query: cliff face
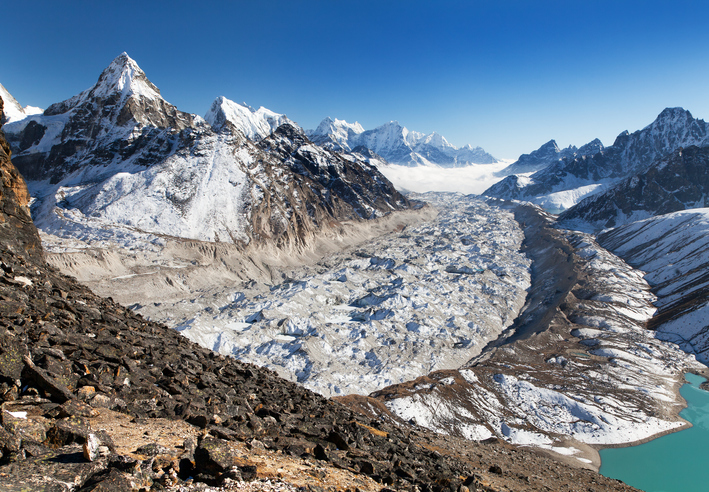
[[16, 228]]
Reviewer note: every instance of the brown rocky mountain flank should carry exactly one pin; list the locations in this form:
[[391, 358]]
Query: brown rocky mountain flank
[[95, 397]]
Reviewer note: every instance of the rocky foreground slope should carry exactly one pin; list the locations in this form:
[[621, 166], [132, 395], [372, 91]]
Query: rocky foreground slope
[[94, 397]]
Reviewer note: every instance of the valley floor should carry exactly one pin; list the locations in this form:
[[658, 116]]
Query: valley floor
[[487, 321]]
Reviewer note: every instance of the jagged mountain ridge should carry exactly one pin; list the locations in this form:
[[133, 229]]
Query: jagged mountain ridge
[[255, 124], [586, 175], [548, 154], [677, 181], [119, 157], [397, 144]]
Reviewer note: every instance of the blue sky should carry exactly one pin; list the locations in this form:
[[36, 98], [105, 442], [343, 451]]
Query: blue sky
[[504, 75]]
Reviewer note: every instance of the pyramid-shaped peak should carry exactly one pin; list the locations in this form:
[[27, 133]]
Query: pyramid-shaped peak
[[125, 77], [551, 145], [326, 126], [672, 120], [123, 60], [392, 124], [673, 117], [436, 139], [393, 128]]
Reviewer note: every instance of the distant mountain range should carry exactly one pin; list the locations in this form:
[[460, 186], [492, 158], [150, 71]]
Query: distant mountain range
[[571, 178], [118, 158], [118, 154], [548, 154], [397, 144]]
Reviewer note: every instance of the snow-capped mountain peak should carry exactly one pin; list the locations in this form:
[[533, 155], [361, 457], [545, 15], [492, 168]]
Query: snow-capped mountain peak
[[335, 134], [120, 82], [255, 124], [122, 111], [125, 77], [337, 127], [436, 140], [12, 110], [386, 137], [672, 116]]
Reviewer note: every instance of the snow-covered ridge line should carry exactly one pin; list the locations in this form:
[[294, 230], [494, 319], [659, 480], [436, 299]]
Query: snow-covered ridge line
[[593, 376], [674, 251], [397, 144]]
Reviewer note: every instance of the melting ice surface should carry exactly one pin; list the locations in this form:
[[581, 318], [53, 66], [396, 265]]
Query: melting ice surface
[[672, 463]]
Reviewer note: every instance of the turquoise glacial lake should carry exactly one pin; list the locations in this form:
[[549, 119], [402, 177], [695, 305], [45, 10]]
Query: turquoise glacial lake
[[676, 462]]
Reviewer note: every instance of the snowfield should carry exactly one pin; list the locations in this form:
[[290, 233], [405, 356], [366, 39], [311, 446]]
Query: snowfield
[[673, 250]]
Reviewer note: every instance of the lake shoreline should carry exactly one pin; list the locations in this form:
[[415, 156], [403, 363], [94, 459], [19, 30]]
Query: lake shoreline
[[588, 455], [625, 466]]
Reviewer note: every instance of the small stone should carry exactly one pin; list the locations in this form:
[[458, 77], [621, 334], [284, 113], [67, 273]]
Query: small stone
[[86, 393], [101, 401], [257, 446], [91, 447]]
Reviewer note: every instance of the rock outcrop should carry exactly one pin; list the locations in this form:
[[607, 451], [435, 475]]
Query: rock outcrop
[[17, 231]]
